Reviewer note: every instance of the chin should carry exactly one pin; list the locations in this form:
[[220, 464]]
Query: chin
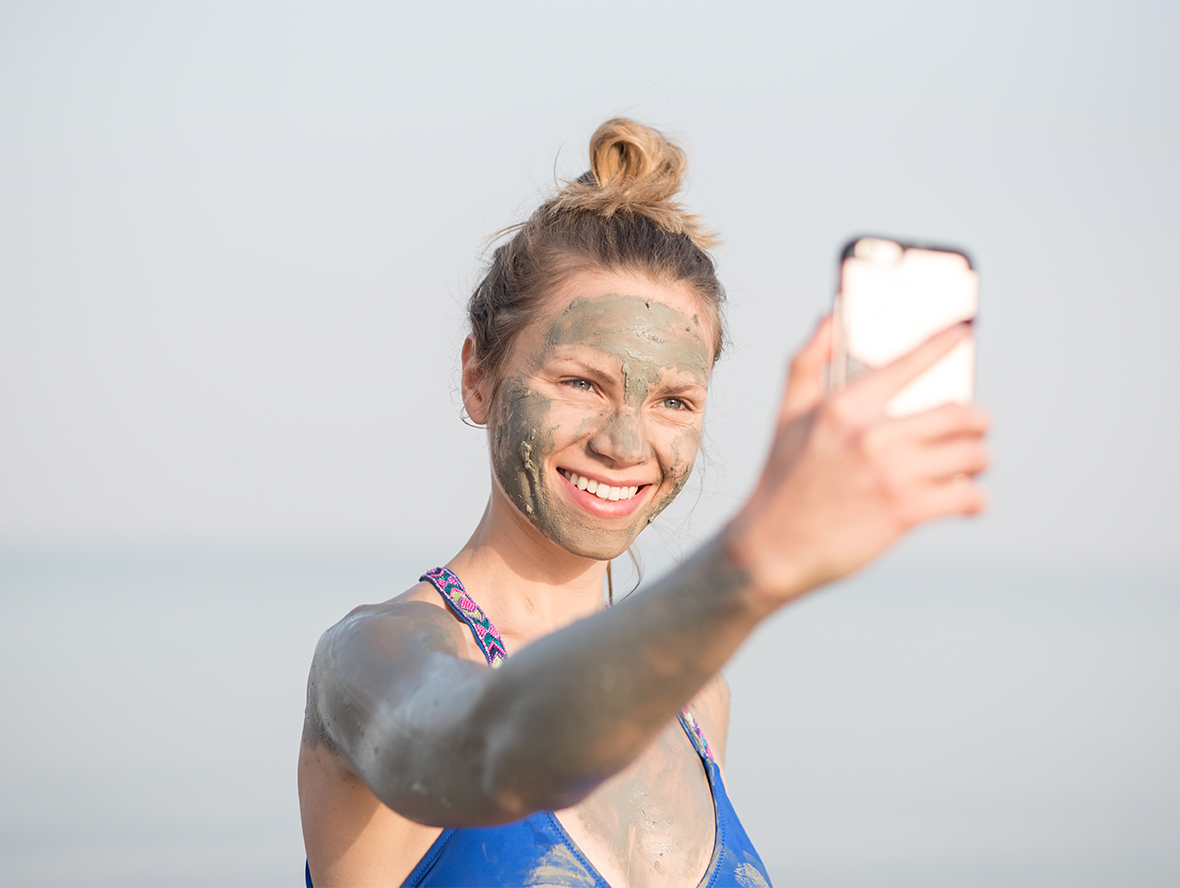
[[597, 553], [591, 542]]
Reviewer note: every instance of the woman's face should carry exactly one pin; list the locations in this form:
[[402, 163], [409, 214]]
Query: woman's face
[[596, 423]]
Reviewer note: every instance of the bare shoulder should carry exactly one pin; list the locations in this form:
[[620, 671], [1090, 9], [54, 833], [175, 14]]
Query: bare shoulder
[[711, 708], [381, 641], [416, 617], [351, 837]]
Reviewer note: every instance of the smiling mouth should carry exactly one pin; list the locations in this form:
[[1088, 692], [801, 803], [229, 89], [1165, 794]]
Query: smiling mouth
[[602, 491]]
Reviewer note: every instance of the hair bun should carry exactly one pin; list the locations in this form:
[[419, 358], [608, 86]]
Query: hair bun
[[625, 155], [634, 170]]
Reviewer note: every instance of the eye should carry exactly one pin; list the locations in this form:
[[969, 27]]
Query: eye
[[584, 385], [675, 403]]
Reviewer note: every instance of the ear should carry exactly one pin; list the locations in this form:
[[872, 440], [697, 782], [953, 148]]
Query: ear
[[476, 385]]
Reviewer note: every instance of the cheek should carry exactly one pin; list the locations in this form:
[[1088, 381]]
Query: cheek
[[521, 436], [585, 425], [520, 414], [683, 452], [573, 425], [677, 461]]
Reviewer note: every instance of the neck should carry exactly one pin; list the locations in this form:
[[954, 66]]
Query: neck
[[528, 584]]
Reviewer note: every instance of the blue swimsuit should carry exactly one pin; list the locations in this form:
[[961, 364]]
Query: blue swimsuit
[[537, 851]]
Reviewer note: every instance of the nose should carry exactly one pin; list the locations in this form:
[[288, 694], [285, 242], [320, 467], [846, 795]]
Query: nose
[[620, 438]]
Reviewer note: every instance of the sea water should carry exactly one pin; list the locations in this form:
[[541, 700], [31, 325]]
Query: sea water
[[959, 724]]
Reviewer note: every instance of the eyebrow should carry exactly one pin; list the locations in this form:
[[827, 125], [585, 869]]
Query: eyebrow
[[676, 386], [680, 381], [590, 368]]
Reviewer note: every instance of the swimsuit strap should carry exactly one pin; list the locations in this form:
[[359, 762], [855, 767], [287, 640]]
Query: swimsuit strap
[[694, 734], [472, 614], [489, 641]]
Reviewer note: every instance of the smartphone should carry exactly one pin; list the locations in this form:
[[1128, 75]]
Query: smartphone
[[893, 295]]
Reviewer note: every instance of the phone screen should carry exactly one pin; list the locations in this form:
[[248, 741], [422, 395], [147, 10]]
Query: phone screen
[[891, 297]]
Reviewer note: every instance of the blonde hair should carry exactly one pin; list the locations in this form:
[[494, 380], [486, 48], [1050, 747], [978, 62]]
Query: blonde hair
[[634, 170], [621, 215]]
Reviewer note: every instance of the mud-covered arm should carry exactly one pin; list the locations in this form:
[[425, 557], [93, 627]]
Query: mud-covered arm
[[446, 741]]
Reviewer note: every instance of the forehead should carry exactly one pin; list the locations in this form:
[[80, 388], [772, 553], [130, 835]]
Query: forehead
[[632, 317]]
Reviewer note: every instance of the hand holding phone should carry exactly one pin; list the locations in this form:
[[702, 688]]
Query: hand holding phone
[[845, 478], [891, 297]]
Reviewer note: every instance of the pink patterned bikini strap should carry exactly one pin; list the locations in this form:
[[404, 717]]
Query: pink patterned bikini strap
[[456, 596], [694, 734]]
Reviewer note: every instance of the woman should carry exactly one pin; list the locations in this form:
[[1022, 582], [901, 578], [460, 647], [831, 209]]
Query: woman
[[540, 737]]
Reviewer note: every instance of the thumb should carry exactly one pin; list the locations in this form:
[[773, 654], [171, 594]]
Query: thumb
[[805, 383]]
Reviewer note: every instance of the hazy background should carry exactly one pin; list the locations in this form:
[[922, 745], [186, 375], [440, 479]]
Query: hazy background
[[235, 243]]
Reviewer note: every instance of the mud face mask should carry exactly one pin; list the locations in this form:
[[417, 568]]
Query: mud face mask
[[647, 344]]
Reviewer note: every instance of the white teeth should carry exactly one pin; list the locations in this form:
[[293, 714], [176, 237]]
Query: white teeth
[[602, 491]]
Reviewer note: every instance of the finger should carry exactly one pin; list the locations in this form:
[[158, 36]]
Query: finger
[[947, 421], [945, 463], [805, 384], [877, 387], [958, 497]]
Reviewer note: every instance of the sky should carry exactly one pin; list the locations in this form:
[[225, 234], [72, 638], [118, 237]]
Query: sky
[[236, 241]]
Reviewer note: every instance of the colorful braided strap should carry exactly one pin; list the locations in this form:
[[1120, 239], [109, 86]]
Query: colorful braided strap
[[472, 614], [694, 729]]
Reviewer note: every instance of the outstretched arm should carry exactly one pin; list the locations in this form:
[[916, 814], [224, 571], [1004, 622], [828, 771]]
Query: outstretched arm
[[446, 741]]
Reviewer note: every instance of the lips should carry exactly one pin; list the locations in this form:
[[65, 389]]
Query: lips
[[601, 490]]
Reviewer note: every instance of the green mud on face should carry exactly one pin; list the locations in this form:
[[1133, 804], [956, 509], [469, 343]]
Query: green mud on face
[[521, 439], [680, 469], [648, 339]]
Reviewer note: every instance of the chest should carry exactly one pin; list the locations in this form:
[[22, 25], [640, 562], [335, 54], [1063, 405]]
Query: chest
[[652, 824]]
